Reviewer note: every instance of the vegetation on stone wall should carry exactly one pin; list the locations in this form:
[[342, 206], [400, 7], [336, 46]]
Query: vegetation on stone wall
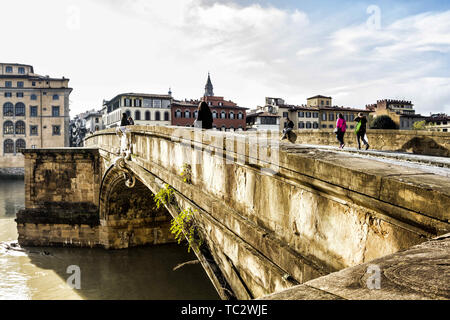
[[184, 224], [186, 174], [165, 196]]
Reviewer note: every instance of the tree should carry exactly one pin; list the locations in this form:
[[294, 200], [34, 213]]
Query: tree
[[383, 122], [420, 125]]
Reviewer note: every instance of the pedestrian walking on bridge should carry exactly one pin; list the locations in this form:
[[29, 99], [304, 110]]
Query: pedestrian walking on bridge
[[341, 128], [361, 129]]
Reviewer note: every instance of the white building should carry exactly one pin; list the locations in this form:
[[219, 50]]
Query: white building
[[145, 109]]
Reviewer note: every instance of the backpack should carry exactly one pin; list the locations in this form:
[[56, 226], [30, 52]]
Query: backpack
[[358, 127]]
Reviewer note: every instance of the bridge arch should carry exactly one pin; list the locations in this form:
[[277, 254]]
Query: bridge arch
[[128, 213]]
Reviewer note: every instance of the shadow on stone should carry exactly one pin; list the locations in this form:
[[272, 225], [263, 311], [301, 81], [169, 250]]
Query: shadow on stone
[[425, 146]]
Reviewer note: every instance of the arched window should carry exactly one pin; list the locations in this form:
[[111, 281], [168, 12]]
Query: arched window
[[158, 116], [195, 114], [166, 116], [97, 128], [55, 97], [8, 146], [187, 114], [20, 144], [224, 128], [8, 109], [128, 112], [223, 115], [20, 127], [178, 114], [8, 127], [214, 114], [20, 109], [33, 97], [240, 115], [232, 115], [137, 115], [148, 116]]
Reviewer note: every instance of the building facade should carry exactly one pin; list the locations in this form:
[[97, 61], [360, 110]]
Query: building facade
[[438, 122], [35, 112], [94, 121], [227, 115], [400, 111], [145, 109], [263, 121], [317, 114]]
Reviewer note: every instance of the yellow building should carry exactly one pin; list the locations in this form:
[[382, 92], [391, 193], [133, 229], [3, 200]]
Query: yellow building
[[319, 101], [35, 112]]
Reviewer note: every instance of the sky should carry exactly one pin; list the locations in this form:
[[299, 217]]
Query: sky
[[358, 52]]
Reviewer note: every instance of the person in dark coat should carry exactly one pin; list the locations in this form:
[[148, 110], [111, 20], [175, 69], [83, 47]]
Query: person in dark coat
[[361, 133], [124, 122], [130, 121], [289, 126], [204, 117]]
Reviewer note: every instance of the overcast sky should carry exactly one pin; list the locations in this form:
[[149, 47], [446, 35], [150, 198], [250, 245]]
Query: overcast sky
[[355, 51]]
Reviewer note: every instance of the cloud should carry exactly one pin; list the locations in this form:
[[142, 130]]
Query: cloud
[[252, 51]]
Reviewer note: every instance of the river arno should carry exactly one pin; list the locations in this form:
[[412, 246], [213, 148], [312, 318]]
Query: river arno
[[141, 273]]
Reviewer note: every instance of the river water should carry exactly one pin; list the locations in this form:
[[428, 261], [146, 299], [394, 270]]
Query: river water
[[140, 273]]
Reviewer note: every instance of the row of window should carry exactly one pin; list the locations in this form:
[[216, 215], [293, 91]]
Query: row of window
[[308, 114], [9, 110], [9, 147], [308, 125], [148, 115], [223, 115], [32, 97], [332, 117], [20, 70], [9, 128]]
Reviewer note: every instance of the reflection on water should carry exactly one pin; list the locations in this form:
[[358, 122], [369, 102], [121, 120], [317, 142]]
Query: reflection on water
[[140, 273]]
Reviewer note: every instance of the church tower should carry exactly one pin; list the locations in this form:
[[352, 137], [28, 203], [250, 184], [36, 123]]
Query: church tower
[[209, 89]]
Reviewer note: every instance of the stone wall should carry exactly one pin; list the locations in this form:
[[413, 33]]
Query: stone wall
[[63, 203], [61, 197], [279, 217], [418, 142]]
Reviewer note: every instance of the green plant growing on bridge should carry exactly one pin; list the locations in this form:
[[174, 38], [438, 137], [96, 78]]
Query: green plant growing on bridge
[[184, 224], [186, 174], [165, 196]]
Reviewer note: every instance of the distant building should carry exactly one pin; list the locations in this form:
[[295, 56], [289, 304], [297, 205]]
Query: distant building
[[263, 121], [318, 113], [145, 109], [438, 122], [93, 121], [400, 111], [227, 115], [35, 112]]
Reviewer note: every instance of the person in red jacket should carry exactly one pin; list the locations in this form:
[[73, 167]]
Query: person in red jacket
[[341, 128]]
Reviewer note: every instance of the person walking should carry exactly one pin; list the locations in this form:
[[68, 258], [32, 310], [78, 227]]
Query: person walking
[[341, 128], [204, 117], [130, 121], [361, 129], [289, 126], [124, 122]]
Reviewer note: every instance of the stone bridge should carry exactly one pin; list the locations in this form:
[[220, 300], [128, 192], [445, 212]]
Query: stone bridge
[[271, 216]]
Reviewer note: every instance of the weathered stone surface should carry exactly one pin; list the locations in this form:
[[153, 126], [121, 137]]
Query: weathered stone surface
[[316, 213], [420, 273]]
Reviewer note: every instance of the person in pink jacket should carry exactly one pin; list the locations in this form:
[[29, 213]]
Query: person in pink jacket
[[341, 128]]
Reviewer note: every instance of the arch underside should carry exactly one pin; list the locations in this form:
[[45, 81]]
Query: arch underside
[[129, 216]]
